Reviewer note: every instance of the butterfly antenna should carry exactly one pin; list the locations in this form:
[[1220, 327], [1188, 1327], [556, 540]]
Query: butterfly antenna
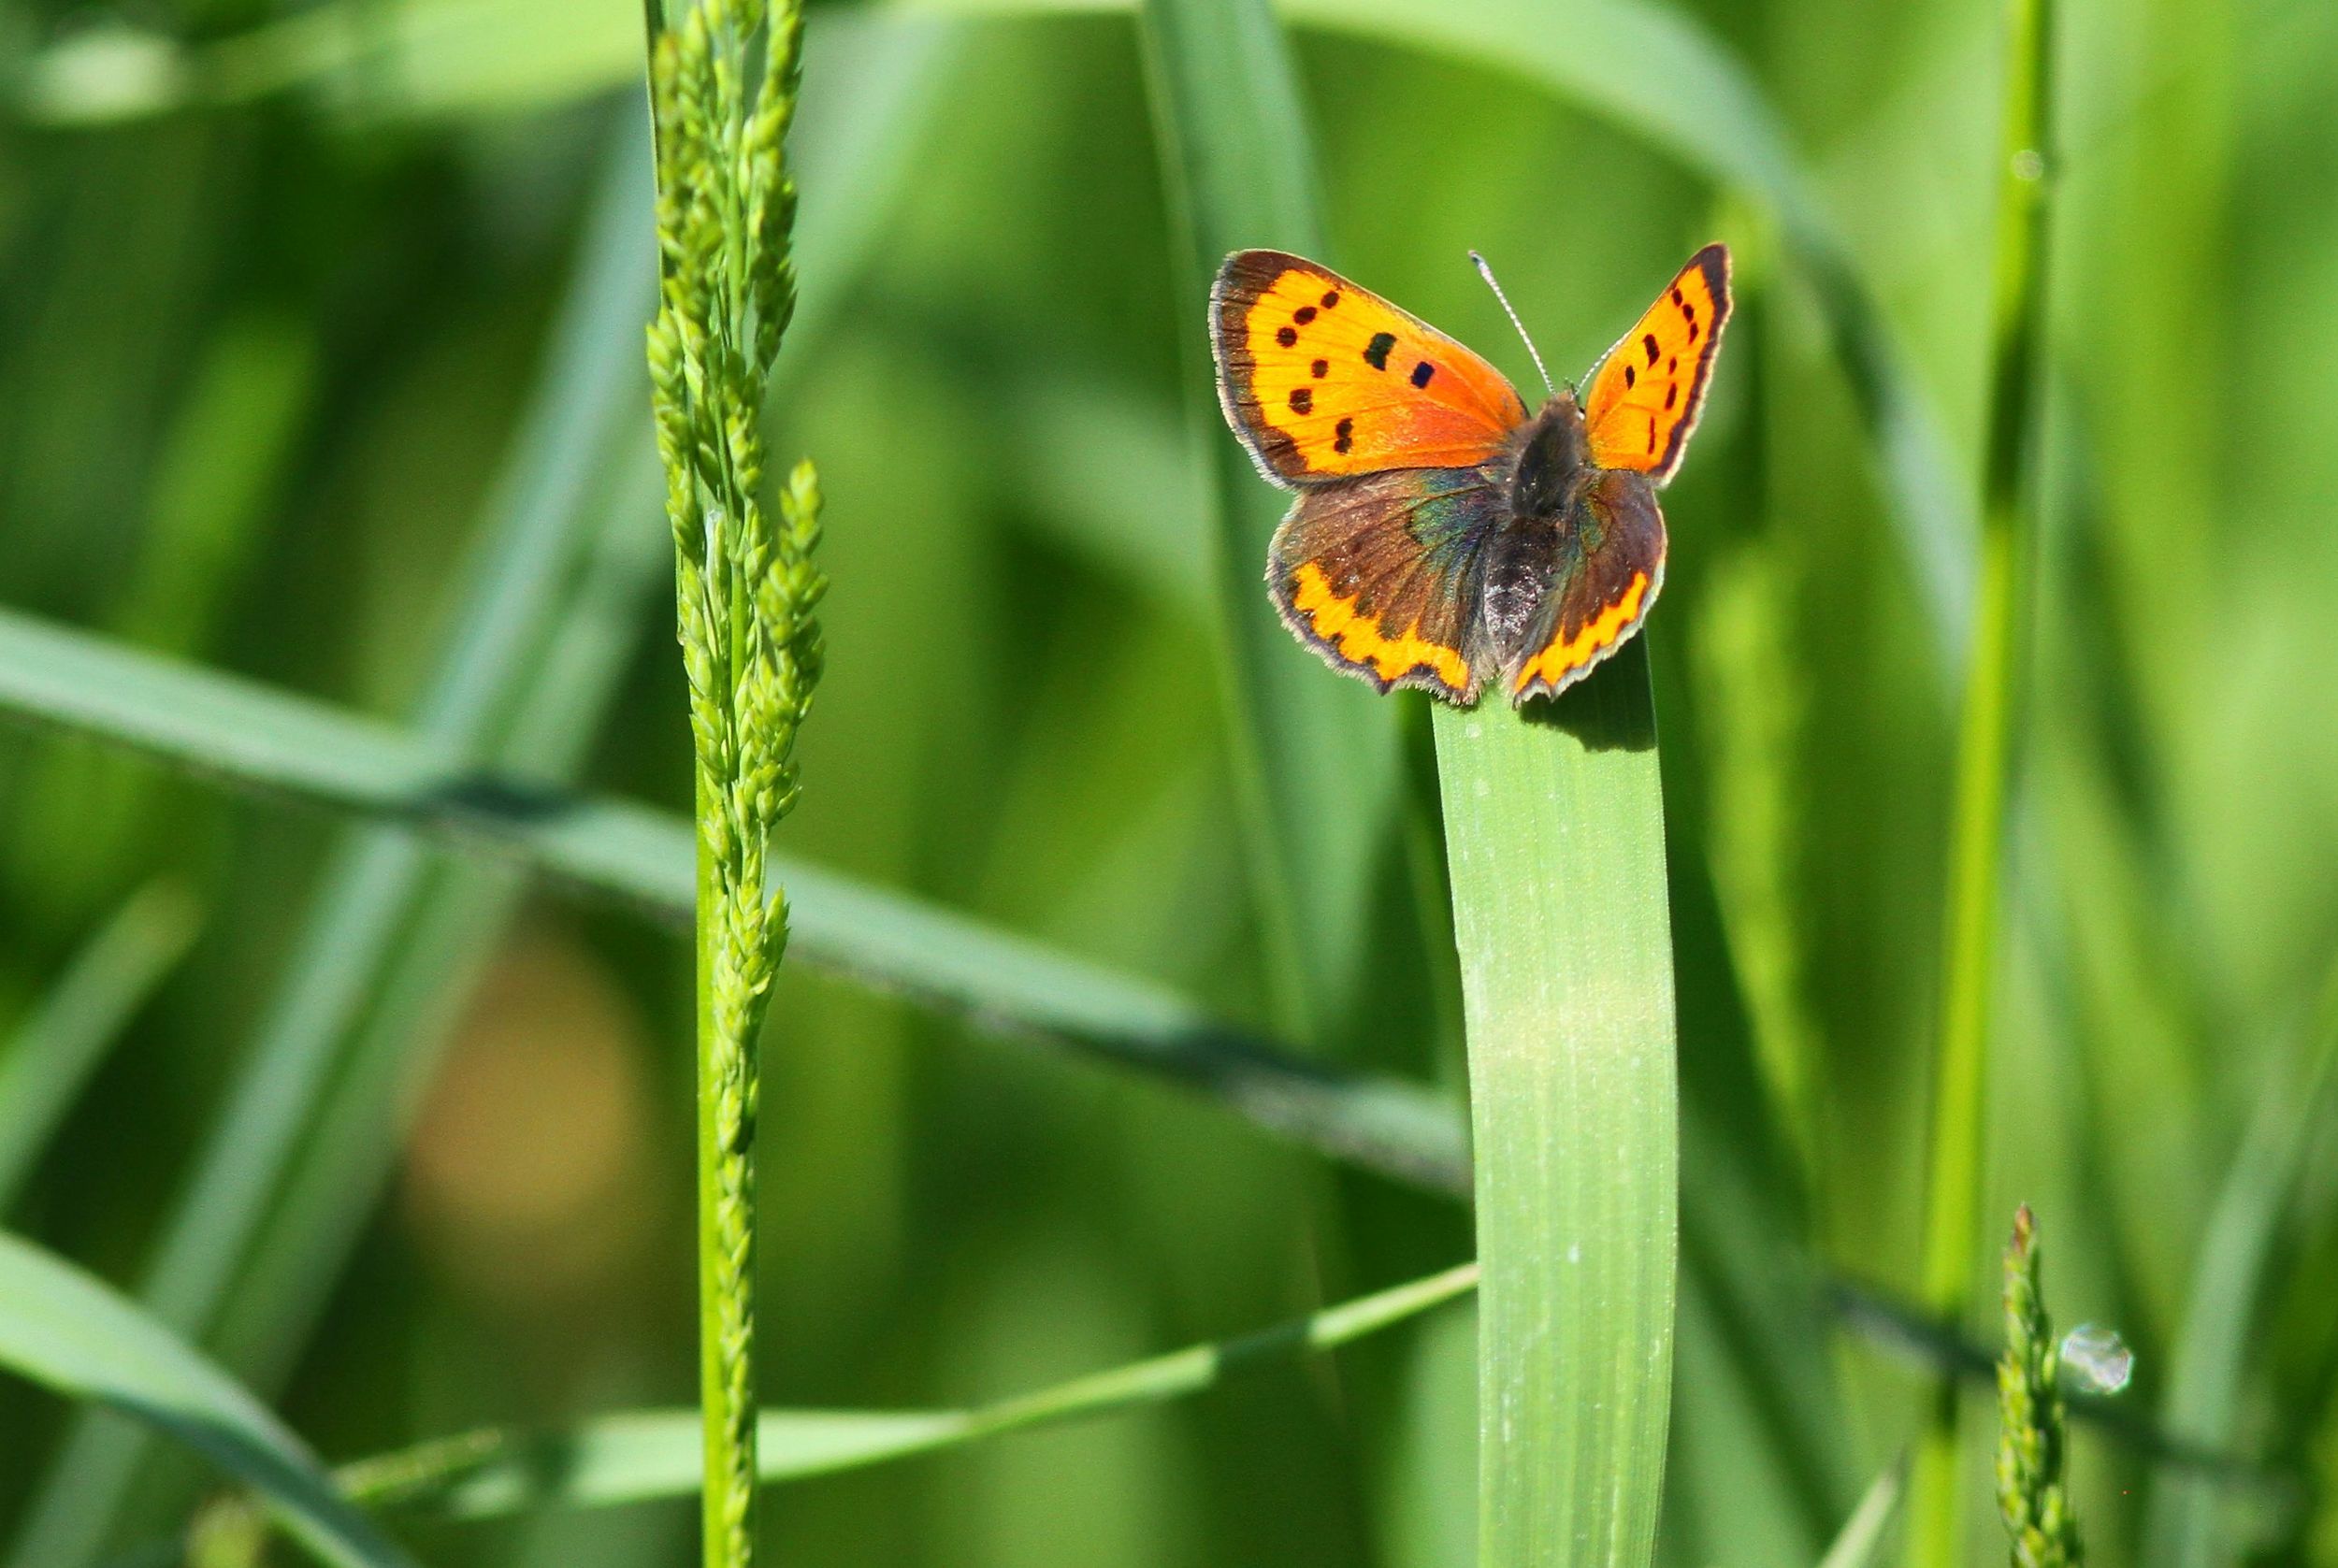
[[1487, 273]]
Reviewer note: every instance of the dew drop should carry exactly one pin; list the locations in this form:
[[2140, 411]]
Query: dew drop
[[2098, 1359]]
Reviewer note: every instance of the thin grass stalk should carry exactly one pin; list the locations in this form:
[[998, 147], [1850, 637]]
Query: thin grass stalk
[[635, 1455], [745, 591], [1985, 760], [80, 1017], [1866, 1535]]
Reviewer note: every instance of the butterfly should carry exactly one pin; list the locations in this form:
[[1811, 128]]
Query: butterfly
[[1444, 536]]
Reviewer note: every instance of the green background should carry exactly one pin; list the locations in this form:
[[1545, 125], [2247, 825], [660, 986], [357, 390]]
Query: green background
[[288, 304]]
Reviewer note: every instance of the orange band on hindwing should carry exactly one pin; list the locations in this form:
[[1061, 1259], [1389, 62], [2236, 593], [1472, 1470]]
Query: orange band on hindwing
[[1359, 639]]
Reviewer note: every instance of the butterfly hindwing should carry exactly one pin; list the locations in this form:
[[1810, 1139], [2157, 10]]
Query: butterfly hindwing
[[1600, 590], [1646, 393], [1323, 379], [1383, 574]]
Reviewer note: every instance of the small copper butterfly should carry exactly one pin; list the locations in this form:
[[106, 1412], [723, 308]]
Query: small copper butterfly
[[1444, 536]]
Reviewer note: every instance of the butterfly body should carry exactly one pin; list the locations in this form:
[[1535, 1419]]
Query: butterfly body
[[1445, 537]]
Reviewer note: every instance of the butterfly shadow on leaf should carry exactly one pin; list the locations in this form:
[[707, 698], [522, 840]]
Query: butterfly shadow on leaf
[[1603, 712]]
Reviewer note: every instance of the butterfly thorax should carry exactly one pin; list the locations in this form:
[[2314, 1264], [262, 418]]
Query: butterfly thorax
[[1554, 462]]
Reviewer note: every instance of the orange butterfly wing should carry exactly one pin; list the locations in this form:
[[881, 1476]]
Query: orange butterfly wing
[[1646, 393], [1321, 379]]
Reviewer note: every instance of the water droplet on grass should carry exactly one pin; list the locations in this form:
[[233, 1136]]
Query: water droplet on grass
[[2098, 1360]]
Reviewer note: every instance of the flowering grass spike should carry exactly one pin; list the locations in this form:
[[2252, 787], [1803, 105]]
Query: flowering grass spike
[[722, 91], [2033, 1429]]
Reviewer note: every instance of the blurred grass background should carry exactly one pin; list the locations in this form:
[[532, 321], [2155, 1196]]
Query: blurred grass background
[[330, 365]]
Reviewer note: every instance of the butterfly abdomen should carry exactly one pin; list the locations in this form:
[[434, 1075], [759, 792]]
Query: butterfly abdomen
[[1517, 576]]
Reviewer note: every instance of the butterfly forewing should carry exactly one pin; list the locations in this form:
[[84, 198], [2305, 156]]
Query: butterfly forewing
[[1322, 379], [1646, 394]]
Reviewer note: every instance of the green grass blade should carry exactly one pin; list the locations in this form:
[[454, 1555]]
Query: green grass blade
[[1866, 1537], [641, 1456], [537, 530], [1760, 1460], [2186, 1525], [635, 1456], [1315, 760], [1995, 682], [236, 729], [421, 57], [70, 1333], [80, 1017], [1554, 832]]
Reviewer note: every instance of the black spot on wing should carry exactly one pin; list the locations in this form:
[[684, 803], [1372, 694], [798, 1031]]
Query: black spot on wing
[[1648, 342], [1422, 372], [1630, 376], [1376, 352], [1344, 435], [1331, 298], [1286, 336], [1304, 315], [1302, 400], [1321, 368]]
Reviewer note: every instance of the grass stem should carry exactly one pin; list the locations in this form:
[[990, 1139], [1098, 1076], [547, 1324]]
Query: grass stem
[[1954, 1189]]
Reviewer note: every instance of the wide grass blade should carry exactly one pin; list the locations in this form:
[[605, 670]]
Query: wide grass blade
[[80, 1017], [1554, 833], [414, 58], [69, 1333]]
